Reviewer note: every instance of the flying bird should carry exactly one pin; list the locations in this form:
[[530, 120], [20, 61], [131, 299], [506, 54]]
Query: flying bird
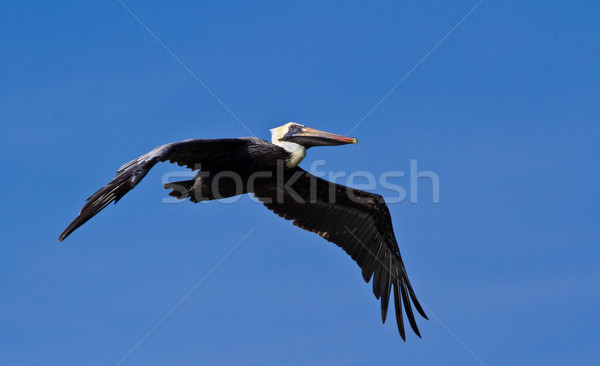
[[357, 221]]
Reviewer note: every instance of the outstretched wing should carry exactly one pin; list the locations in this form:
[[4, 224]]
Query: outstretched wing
[[359, 222], [189, 153]]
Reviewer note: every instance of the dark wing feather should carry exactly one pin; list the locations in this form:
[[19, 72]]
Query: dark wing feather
[[359, 222], [188, 153]]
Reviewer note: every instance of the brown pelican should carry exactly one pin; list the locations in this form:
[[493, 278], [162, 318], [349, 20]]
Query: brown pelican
[[357, 221]]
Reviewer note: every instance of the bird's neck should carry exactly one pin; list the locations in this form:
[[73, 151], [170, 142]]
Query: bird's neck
[[297, 152]]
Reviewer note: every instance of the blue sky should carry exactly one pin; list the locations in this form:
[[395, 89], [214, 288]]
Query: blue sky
[[505, 111]]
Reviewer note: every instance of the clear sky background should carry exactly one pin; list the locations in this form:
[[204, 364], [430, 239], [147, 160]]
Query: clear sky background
[[506, 111]]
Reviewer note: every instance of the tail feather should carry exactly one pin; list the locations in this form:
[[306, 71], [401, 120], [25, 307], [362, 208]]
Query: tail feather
[[181, 189]]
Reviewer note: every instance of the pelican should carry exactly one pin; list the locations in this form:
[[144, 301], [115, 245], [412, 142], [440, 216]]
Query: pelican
[[357, 221]]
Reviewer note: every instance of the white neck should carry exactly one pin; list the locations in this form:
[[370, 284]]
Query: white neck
[[297, 151]]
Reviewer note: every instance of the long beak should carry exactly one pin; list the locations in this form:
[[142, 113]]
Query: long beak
[[313, 137]]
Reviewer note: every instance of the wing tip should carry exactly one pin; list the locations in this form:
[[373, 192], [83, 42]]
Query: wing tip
[[65, 233]]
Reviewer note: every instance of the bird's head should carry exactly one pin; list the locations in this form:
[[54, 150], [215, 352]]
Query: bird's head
[[298, 134]]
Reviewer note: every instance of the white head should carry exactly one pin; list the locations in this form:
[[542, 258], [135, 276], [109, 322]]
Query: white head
[[298, 151], [296, 138]]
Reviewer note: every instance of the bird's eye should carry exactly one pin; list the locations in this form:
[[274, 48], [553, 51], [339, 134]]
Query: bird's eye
[[294, 127]]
